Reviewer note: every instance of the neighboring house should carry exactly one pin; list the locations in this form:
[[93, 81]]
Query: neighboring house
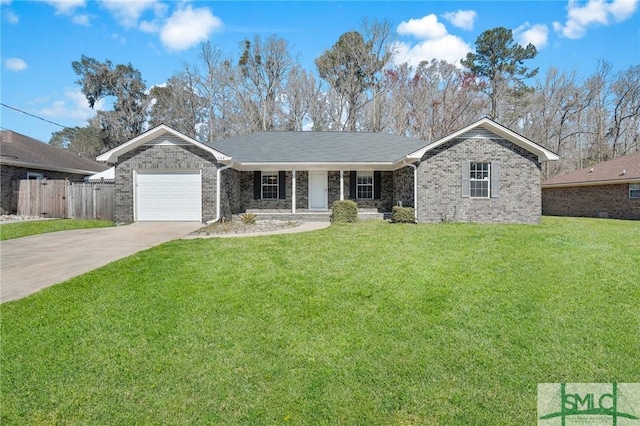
[[482, 173], [109, 174], [22, 157], [608, 189]]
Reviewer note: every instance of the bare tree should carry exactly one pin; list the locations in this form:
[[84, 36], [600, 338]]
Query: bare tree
[[265, 67], [624, 129], [177, 105]]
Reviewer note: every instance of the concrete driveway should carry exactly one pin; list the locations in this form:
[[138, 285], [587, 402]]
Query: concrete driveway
[[30, 264]]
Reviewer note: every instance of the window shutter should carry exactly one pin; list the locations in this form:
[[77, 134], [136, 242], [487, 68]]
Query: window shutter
[[495, 180], [377, 185], [352, 185], [465, 179], [282, 185], [257, 185]]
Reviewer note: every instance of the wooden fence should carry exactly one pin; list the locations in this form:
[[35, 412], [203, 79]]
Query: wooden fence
[[61, 198]]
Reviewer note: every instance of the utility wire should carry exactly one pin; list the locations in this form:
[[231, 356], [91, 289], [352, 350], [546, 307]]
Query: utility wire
[[35, 116]]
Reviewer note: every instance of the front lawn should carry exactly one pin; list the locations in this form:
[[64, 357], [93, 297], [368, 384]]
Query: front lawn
[[365, 324], [13, 230]]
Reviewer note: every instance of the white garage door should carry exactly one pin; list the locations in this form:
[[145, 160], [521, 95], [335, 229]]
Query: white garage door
[[169, 196]]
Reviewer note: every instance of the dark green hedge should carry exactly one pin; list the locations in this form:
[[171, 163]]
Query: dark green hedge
[[403, 215], [345, 211]]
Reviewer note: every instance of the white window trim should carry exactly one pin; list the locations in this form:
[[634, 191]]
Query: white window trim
[[487, 179], [35, 175], [634, 188], [264, 185], [358, 185]]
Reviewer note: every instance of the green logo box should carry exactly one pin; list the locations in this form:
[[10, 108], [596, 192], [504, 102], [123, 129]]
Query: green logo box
[[592, 404]]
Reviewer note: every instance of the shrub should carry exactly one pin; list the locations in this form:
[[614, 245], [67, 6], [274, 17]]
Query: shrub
[[345, 211], [248, 218], [403, 215]]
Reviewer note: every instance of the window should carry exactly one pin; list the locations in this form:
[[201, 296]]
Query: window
[[34, 175], [364, 185], [634, 190], [479, 180], [269, 186]]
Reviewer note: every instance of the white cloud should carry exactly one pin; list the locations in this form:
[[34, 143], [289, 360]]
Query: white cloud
[[10, 17], [537, 35], [187, 27], [72, 107], [119, 38], [435, 42], [15, 64], [462, 18], [426, 27], [128, 12], [66, 7], [81, 19], [149, 26], [594, 12], [622, 9]]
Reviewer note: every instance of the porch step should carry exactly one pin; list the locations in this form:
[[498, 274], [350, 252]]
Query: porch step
[[308, 216]]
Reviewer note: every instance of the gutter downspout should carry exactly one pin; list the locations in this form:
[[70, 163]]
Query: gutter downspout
[[415, 188], [218, 188]]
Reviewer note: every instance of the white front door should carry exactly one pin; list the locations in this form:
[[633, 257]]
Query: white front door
[[318, 190]]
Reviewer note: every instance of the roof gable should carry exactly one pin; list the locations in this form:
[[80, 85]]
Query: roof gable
[[485, 128], [171, 137], [619, 170], [22, 151]]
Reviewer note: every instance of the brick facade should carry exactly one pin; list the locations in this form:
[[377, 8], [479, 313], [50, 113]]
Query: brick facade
[[604, 201], [240, 186], [164, 158], [440, 183]]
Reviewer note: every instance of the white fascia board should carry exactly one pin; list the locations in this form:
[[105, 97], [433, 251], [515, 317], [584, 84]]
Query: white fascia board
[[112, 155], [542, 153], [319, 166]]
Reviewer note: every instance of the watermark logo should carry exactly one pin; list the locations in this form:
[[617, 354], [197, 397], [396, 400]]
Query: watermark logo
[[566, 404]]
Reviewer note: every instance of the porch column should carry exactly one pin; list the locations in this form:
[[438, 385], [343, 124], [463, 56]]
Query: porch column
[[293, 192], [341, 185]]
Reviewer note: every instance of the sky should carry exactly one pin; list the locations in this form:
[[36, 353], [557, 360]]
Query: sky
[[40, 40]]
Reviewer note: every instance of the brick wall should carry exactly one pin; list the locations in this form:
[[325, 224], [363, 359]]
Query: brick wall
[[242, 198], [164, 157], [440, 188], [591, 201]]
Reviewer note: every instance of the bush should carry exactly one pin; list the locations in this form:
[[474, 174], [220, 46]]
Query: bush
[[345, 211], [248, 218], [403, 215]]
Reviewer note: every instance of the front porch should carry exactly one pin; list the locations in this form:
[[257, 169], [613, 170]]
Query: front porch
[[309, 195], [308, 215]]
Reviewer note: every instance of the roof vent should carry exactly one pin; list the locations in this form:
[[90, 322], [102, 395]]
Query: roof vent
[[591, 171], [623, 173]]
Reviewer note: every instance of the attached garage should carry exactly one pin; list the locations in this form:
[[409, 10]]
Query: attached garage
[[169, 196]]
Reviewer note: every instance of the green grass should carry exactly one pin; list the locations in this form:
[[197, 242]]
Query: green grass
[[10, 231], [359, 324]]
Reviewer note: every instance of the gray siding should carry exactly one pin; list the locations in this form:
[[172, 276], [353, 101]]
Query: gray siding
[[440, 183], [164, 157]]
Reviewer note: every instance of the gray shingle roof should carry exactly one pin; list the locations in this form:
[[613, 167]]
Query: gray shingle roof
[[32, 153], [318, 147]]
